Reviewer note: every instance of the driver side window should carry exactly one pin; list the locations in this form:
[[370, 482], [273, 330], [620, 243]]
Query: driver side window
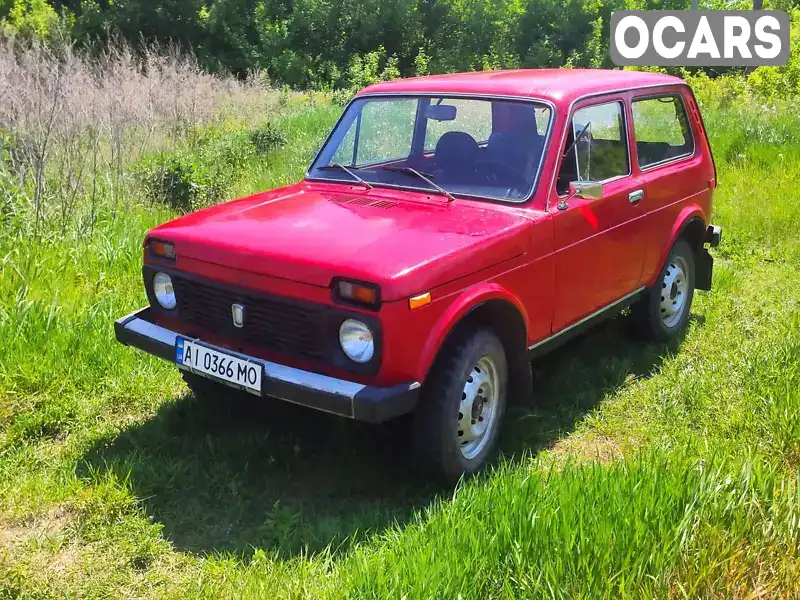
[[601, 152]]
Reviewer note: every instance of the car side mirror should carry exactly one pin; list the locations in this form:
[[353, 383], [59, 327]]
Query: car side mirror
[[588, 190]]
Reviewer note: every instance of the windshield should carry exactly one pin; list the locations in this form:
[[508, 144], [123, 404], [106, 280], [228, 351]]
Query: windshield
[[461, 146]]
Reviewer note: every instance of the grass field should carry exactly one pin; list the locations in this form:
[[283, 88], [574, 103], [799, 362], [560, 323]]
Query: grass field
[[638, 471]]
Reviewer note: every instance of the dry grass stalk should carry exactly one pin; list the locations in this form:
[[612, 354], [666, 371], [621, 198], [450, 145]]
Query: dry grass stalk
[[76, 123]]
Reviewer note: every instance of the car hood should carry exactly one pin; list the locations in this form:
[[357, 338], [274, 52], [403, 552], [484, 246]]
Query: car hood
[[312, 233]]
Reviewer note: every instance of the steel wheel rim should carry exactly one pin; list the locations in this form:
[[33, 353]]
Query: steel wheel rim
[[674, 292], [477, 410]]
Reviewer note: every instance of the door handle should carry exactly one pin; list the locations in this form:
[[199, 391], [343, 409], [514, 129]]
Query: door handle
[[635, 196]]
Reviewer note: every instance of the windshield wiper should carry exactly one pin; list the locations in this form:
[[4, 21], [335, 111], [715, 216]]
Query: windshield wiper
[[426, 178], [366, 184]]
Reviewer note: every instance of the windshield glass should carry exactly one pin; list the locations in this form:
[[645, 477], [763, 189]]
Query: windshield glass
[[469, 146]]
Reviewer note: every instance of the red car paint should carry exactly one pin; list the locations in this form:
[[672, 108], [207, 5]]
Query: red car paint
[[555, 267]]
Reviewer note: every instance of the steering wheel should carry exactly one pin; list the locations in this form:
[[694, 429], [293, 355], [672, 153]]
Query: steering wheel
[[497, 173]]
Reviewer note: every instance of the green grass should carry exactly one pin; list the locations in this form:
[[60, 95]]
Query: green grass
[[638, 471]]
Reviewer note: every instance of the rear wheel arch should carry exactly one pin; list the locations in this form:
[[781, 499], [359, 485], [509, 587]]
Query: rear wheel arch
[[693, 231], [692, 223]]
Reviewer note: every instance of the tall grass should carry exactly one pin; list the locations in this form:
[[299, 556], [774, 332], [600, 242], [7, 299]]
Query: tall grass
[[71, 126]]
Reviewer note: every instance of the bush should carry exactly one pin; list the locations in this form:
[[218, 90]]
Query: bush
[[266, 138], [180, 182], [343, 96], [31, 19], [226, 152], [201, 173], [365, 70]]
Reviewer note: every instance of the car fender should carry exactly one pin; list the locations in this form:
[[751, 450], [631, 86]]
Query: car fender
[[467, 301], [689, 213]]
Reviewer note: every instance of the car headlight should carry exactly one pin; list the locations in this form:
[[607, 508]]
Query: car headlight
[[163, 291], [357, 341]]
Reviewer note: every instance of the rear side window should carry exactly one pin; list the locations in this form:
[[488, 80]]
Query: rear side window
[[662, 130]]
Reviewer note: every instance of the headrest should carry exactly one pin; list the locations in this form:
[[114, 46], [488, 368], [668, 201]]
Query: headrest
[[456, 147]]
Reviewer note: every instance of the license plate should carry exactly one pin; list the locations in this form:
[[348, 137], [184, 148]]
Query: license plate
[[218, 365]]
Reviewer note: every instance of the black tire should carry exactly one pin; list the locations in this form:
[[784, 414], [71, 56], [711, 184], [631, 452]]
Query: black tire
[[436, 424], [652, 320]]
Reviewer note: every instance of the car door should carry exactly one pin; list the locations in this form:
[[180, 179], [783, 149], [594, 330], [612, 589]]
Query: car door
[[599, 243]]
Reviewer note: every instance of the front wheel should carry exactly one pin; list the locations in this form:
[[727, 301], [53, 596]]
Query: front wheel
[[457, 421], [664, 310]]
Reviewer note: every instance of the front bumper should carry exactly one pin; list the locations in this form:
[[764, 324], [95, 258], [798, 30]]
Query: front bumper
[[329, 394]]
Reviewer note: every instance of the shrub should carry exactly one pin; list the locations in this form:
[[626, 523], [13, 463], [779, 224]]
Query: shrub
[[266, 138], [342, 96], [228, 152], [365, 70], [202, 171], [32, 19], [180, 182]]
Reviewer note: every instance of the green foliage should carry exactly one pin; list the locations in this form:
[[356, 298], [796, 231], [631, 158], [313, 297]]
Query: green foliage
[[225, 152], [421, 63], [267, 138], [762, 85], [315, 44], [201, 173], [180, 181], [32, 19], [775, 83], [365, 70]]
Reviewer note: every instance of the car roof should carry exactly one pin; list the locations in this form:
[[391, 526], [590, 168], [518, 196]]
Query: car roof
[[557, 85]]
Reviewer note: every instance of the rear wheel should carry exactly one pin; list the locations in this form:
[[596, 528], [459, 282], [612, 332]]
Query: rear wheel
[[457, 422], [664, 310]]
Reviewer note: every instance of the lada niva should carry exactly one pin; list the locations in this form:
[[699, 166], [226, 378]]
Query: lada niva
[[450, 229]]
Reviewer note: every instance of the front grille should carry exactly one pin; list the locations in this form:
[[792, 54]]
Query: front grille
[[276, 324]]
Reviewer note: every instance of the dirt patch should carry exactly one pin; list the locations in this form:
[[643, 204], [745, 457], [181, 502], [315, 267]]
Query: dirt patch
[[40, 547], [50, 526]]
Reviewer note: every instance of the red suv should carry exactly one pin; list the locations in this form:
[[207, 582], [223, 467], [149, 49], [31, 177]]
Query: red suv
[[450, 229]]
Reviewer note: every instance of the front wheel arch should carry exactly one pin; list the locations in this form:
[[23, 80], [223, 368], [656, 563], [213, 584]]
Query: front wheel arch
[[508, 323]]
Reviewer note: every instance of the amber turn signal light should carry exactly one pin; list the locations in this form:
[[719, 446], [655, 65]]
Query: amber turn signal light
[[357, 293], [161, 249], [419, 301]]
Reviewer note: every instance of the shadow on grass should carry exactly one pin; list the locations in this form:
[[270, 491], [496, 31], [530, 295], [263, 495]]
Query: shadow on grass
[[574, 378], [233, 473]]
